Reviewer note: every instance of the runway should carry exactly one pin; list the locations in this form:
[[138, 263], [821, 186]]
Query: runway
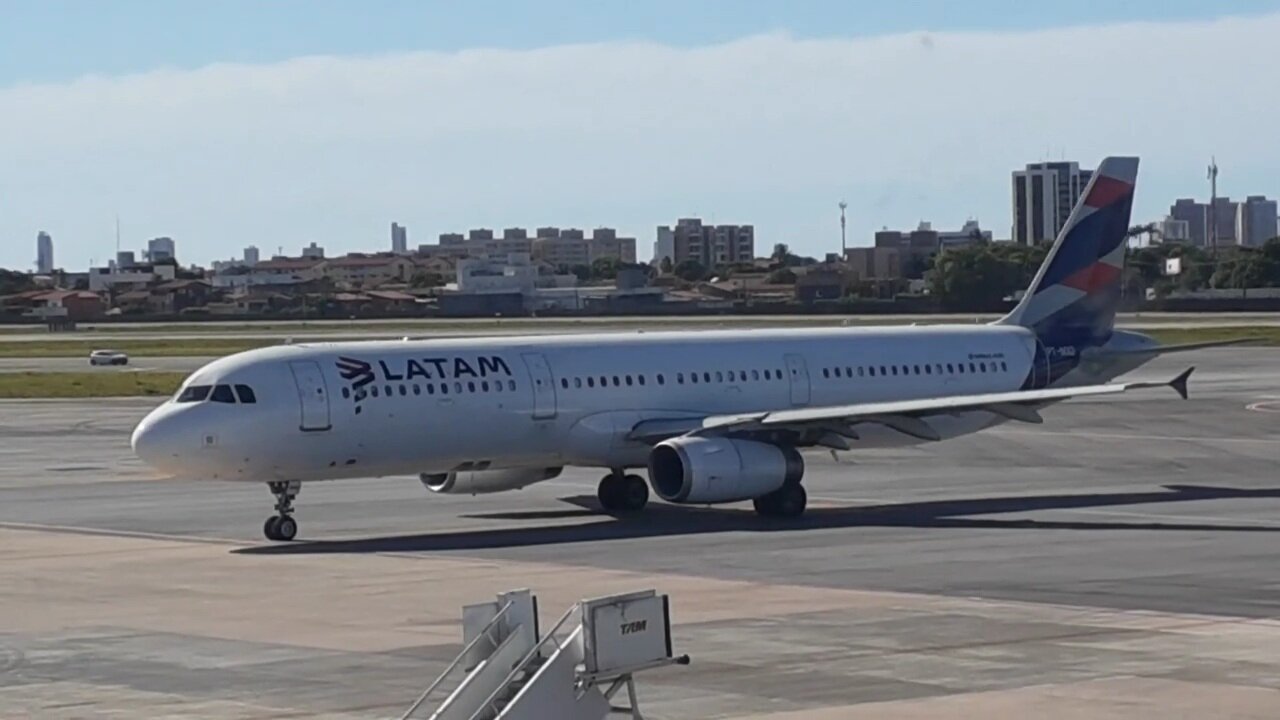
[[1118, 561]]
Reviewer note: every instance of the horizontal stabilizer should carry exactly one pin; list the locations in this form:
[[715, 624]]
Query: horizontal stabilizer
[[1163, 349]]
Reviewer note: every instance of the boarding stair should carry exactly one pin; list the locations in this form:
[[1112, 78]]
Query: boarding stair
[[509, 670]]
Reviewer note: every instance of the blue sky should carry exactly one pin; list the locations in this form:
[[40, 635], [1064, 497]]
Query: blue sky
[[281, 122], [43, 40]]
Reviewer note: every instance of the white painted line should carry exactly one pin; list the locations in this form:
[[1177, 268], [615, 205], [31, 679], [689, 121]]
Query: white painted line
[[1051, 434], [80, 530]]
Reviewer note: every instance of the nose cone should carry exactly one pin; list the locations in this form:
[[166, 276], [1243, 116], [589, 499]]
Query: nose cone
[[154, 441]]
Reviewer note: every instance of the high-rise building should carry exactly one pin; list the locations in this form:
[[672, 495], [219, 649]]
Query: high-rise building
[[44, 253], [712, 246], [1256, 220], [1223, 215], [251, 255], [1196, 216], [399, 239], [665, 246], [160, 248], [313, 252], [1043, 196]]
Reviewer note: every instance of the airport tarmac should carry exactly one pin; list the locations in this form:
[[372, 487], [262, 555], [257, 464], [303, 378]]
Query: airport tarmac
[[1117, 562]]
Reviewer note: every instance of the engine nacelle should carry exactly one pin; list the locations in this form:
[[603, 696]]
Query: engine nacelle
[[476, 482], [716, 469]]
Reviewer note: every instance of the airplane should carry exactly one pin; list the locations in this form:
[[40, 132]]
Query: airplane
[[714, 416]]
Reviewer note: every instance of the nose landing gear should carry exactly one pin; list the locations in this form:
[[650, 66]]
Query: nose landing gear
[[282, 526]]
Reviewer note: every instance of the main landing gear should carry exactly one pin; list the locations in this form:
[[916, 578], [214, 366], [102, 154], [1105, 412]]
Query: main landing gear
[[622, 493], [282, 526], [787, 501]]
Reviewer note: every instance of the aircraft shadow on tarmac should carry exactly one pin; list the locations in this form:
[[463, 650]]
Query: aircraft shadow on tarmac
[[661, 520]]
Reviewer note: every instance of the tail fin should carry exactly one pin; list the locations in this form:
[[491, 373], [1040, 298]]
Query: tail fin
[[1072, 301]]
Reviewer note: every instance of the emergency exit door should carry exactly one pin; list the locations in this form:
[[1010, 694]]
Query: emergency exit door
[[544, 388], [798, 377], [313, 396]]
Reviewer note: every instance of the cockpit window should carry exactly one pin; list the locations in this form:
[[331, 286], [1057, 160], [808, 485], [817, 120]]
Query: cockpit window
[[246, 394], [222, 394], [194, 393]]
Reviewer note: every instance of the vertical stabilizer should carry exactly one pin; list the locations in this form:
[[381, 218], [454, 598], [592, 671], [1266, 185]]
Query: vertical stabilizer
[[1073, 300]]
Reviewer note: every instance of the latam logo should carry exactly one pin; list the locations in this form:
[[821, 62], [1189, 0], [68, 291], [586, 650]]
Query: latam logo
[[358, 372], [361, 372]]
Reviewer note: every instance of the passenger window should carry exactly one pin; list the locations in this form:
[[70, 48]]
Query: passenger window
[[972, 369], [927, 370], [873, 370], [403, 391], [982, 366], [826, 373], [346, 393], [679, 378], [616, 381], [1003, 366], [706, 377], [577, 382], [564, 383], [693, 378], [374, 390], [222, 394], [916, 369], [730, 376], [860, 371], [484, 385], [417, 389], [951, 369], [194, 393], [755, 374], [640, 379], [444, 388], [431, 389], [591, 382], [604, 381], [661, 380], [628, 379], [894, 368], [511, 384]]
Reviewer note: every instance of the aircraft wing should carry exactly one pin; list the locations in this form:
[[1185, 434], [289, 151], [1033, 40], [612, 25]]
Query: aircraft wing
[[833, 425]]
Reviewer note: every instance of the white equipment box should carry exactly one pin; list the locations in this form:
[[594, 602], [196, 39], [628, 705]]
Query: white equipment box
[[625, 632]]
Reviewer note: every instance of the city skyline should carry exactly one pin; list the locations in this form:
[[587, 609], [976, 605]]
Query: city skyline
[[333, 149]]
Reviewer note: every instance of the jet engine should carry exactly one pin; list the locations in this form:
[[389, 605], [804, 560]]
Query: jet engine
[[476, 482], [716, 469]]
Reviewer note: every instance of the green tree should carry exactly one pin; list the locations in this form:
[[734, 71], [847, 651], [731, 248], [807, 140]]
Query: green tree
[[13, 281], [605, 268], [690, 270], [665, 266], [979, 277]]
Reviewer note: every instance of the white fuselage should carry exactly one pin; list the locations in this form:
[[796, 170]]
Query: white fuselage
[[368, 409]]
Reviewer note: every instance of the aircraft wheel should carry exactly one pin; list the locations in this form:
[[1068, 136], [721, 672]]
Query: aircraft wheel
[[269, 527], [787, 501], [635, 493], [286, 528], [610, 492]]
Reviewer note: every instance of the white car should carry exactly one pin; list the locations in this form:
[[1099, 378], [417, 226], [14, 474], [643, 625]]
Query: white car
[[108, 357]]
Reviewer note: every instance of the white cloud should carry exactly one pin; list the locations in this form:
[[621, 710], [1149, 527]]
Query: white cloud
[[770, 129]]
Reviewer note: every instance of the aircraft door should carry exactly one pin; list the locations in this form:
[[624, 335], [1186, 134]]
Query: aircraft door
[[313, 396], [798, 377], [544, 388]]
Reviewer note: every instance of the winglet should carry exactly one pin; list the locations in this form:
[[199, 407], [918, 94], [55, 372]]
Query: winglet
[[1180, 383]]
